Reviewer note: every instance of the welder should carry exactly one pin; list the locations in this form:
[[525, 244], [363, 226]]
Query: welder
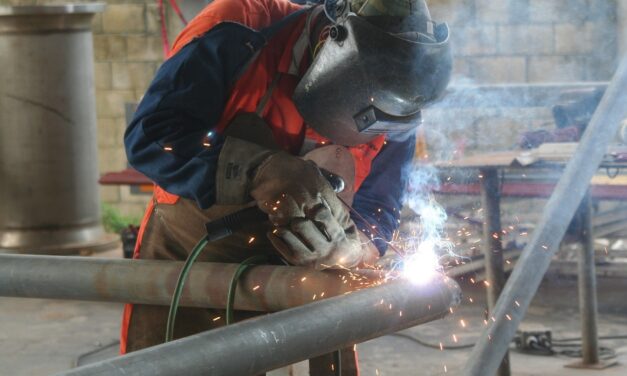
[[253, 94]]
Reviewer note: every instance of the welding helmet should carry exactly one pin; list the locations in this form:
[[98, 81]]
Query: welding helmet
[[383, 61]]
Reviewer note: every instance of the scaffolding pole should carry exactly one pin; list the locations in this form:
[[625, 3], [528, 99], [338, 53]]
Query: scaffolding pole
[[264, 288], [522, 285], [279, 339]]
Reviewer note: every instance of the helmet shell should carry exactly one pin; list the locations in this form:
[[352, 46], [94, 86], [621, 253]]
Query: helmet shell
[[367, 81]]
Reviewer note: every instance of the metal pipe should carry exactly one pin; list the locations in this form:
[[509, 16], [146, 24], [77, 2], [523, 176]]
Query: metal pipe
[[587, 286], [478, 264], [272, 341], [262, 288], [492, 245], [522, 285]]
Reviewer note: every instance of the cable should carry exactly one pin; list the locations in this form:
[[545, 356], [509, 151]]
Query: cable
[[230, 300], [337, 355], [620, 336], [178, 290], [575, 351], [433, 346], [604, 352], [162, 21]]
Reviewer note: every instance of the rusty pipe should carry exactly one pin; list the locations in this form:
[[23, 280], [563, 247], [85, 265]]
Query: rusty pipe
[[265, 288]]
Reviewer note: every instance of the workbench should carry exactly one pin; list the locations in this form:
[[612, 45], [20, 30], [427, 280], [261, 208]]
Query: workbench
[[487, 172]]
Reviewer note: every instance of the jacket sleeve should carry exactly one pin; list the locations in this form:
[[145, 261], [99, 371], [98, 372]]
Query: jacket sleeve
[[379, 200], [167, 138]]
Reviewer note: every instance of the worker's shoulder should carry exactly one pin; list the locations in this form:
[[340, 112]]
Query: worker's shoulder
[[255, 14]]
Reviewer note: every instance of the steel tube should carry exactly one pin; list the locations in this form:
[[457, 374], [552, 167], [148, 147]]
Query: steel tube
[[522, 285], [492, 245], [265, 288], [587, 286], [272, 341]]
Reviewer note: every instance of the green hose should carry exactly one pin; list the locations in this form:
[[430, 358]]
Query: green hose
[[233, 286], [180, 283], [178, 291]]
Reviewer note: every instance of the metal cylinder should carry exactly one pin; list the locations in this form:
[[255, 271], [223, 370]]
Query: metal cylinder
[[49, 196], [265, 288], [492, 244], [587, 282], [272, 341], [524, 281]]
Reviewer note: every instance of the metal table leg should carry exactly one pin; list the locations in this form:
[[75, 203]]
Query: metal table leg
[[492, 245], [587, 292]]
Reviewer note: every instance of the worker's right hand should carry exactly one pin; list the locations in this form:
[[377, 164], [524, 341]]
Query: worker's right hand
[[287, 187], [312, 225]]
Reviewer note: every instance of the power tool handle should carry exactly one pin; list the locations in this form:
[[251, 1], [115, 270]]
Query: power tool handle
[[225, 226]]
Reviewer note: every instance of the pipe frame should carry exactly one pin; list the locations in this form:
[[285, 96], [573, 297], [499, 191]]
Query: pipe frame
[[263, 288], [493, 245], [272, 341], [522, 285]]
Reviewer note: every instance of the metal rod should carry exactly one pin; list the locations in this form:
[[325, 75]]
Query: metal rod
[[522, 285], [262, 288], [587, 286], [478, 264], [272, 341], [492, 245]]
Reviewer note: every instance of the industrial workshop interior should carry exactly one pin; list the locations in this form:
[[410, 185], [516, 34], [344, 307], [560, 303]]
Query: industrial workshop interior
[[313, 187]]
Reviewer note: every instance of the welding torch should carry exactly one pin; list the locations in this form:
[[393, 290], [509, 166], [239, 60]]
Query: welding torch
[[230, 223], [220, 228]]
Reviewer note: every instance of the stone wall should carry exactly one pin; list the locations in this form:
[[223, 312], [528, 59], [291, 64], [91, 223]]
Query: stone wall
[[621, 12], [509, 41], [127, 52], [495, 41], [518, 42]]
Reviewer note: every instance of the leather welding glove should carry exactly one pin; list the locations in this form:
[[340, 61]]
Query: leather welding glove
[[237, 163], [313, 226]]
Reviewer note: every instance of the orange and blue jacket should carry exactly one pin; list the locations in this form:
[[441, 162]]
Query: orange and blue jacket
[[221, 65]]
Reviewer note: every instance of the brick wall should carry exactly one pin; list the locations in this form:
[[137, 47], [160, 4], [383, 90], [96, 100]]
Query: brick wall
[[495, 41], [621, 13], [509, 41], [518, 41], [127, 52]]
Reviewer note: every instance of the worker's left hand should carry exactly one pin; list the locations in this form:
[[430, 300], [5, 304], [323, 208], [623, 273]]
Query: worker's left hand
[[324, 240]]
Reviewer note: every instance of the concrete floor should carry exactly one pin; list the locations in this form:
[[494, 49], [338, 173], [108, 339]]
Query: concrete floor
[[41, 337], [555, 307]]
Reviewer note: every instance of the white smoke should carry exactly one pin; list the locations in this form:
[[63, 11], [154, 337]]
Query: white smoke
[[426, 243]]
